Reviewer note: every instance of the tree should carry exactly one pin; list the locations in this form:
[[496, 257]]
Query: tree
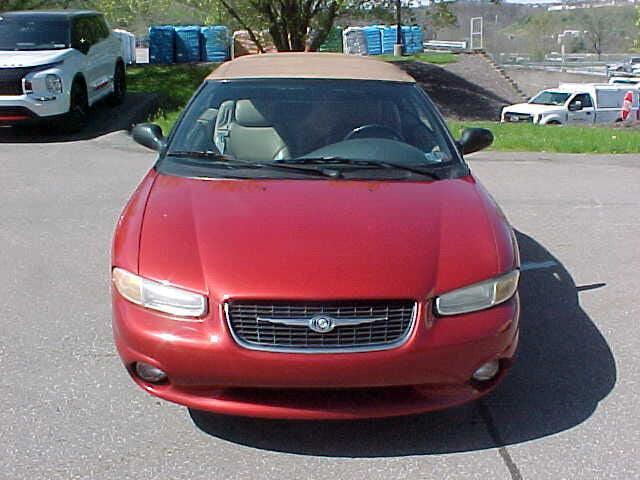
[[118, 12], [6, 5], [124, 12], [440, 16], [597, 28], [288, 21], [637, 42], [541, 33]]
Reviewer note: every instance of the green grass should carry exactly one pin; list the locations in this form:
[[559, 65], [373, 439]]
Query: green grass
[[559, 139], [436, 58], [174, 83]]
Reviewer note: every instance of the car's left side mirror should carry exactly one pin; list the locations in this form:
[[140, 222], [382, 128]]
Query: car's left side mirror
[[575, 106], [149, 135], [82, 45], [474, 140]]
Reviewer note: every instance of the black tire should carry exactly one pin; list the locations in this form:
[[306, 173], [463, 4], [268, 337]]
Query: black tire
[[119, 86], [78, 115], [553, 122]]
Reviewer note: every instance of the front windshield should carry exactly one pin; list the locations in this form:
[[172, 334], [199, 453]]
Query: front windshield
[[31, 33], [550, 98], [293, 120]]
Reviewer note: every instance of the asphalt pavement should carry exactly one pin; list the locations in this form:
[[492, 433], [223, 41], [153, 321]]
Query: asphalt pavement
[[568, 410]]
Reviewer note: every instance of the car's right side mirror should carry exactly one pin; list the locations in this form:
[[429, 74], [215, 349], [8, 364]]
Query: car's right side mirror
[[474, 140], [149, 135]]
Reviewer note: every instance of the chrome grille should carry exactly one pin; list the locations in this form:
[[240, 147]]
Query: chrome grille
[[283, 326], [518, 117]]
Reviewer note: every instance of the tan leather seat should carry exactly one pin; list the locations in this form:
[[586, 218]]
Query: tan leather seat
[[251, 136], [223, 120]]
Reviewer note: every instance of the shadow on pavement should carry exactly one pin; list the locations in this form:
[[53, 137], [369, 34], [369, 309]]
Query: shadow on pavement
[[564, 368], [103, 119]]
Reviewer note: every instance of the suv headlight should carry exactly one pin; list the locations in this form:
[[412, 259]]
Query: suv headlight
[[479, 296], [158, 296], [53, 83]]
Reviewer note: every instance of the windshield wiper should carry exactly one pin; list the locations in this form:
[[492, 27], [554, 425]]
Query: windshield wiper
[[230, 162], [199, 154], [334, 161]]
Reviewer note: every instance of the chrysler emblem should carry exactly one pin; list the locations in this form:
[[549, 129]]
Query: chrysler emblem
[[322, 324]]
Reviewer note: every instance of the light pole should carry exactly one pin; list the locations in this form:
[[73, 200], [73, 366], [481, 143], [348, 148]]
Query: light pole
[[397, 48]]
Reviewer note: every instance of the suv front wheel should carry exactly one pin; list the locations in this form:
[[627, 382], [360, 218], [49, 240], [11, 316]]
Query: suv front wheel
[[77, 117]]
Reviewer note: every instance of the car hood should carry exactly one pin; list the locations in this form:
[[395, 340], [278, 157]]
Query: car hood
[[531, 108], [35, 58], [333, 239]]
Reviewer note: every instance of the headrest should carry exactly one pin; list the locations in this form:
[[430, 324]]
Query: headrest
[[248, 115], [208, 116]]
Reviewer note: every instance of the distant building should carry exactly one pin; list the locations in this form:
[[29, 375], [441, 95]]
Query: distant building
[[573, 5]]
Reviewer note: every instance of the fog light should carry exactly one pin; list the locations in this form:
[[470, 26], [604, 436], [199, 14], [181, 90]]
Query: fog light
[[487, 371], [149, 373]]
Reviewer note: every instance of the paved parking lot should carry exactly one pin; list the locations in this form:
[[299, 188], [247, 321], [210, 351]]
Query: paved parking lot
[[569, 410]]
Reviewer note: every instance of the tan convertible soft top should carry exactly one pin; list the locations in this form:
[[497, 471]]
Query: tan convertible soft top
[[309, 65]]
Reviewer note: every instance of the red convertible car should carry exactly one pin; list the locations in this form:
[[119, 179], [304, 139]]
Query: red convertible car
[[311, 244]]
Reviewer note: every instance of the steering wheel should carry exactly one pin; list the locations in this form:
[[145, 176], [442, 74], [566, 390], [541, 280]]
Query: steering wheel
[[374, 130]]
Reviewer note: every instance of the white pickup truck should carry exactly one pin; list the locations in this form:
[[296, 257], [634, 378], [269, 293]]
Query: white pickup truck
[[55, 65], [573, 103]]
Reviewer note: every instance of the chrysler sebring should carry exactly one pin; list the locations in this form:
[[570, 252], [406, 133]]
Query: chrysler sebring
[[311, 244]]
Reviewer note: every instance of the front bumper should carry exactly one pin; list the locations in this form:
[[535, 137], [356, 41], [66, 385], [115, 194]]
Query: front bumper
[[207, 370], [32, 107]]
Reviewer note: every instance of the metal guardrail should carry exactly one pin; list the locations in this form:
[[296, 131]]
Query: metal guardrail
[[599, 70], [445, 45]]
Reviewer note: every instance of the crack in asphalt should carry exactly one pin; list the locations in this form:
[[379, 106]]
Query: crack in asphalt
[[511, 465]]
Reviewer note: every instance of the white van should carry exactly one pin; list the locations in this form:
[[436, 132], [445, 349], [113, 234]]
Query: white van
[[573, 103]]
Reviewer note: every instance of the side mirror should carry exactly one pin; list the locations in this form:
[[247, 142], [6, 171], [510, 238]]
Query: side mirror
[[475, 139], [149, 135], [575, 106]]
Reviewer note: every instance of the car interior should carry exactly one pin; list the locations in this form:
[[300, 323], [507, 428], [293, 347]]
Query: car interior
[[261, 129]]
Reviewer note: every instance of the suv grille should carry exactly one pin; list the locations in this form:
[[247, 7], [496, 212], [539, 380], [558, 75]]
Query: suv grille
[[11, 80], [357, 326]]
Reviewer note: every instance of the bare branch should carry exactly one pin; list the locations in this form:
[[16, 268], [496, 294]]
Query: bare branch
[[239, 19]]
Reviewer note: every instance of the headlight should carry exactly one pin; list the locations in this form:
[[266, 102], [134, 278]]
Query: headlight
[[53, 83], [478, 296], [158, 296]]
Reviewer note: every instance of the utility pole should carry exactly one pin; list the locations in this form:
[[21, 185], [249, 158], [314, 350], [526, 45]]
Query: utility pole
[[397, 48]]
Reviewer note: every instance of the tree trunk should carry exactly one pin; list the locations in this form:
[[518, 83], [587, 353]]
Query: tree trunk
[[325, 23]]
